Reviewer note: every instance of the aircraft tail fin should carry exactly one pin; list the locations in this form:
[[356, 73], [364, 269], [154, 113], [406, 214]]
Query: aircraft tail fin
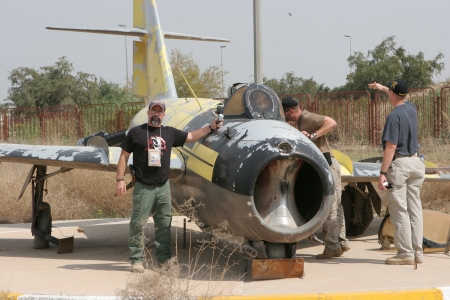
[[152, 74]]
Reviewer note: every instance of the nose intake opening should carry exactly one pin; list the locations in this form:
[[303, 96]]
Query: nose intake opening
[[288, 193]]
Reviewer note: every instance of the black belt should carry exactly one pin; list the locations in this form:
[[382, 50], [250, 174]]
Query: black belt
[[397, 155]]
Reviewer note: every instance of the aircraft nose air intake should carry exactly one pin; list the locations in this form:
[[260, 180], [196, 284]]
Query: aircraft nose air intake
[[288, 193]]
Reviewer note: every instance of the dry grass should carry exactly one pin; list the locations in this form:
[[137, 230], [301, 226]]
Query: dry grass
[[77, 194]]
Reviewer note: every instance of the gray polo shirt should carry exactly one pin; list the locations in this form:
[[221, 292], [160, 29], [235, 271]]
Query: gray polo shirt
[[401, 129]]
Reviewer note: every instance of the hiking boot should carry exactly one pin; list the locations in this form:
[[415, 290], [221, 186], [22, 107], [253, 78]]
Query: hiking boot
[[163, 265], [343, 249], [137, 268], [329, 255], [399, 261]]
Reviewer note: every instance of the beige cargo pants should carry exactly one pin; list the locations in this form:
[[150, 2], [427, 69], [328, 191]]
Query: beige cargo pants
[[406, 175]]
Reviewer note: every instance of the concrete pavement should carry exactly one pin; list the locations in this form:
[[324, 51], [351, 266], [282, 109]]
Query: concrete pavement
[[99, 267]]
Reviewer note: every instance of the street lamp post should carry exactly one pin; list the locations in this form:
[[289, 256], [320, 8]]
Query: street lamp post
[[221, 67], [349, 36], [126, 54]]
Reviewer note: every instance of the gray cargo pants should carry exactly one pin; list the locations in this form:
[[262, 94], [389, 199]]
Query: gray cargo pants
[[334, 226]]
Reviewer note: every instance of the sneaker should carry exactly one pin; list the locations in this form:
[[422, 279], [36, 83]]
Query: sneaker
[[329, 255], [137, 268], [400, 261]]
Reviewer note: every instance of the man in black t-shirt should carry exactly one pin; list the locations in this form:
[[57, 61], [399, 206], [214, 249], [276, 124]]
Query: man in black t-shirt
[[151, 145], [402, 168]]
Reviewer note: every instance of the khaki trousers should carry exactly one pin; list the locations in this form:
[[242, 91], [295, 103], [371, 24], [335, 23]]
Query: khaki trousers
[[405, 207]]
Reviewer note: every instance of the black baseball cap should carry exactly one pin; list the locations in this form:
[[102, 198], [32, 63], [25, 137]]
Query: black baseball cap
[[399, 87], [288, 102], [157, 102]]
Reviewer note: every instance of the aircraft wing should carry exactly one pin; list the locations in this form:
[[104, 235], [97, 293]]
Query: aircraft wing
[[362, 172], [369, 170], [93, 157], [77, 157]]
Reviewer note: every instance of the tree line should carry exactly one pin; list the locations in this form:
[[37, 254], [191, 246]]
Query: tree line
[[60, 85]]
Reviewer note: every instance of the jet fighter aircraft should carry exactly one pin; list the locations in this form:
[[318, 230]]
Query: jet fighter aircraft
[[262, 176]]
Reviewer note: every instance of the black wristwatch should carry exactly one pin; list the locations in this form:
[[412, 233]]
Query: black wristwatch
[[384, 173], [312, 136]]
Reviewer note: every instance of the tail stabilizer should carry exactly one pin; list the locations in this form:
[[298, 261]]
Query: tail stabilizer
[[152, 74], [140, 32]]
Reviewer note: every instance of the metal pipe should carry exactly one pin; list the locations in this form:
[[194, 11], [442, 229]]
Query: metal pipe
[[221, 68], [257, 41], [184, 233], [47, 237]]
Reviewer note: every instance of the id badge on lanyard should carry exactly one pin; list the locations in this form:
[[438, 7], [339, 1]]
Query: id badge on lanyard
[[154, 157]]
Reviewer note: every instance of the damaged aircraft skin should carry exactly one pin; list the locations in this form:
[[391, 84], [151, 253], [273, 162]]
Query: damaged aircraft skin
[[270, 183]]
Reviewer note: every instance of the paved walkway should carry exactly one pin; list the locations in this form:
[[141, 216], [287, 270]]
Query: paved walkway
[[99, 267]]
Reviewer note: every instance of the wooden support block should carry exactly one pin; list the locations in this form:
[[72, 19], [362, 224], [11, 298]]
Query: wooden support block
[[277, 268]]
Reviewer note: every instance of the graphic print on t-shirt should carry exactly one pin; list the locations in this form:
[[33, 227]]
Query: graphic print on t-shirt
[[157, 142]]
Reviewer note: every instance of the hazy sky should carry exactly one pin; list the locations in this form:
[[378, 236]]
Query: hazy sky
[[310, 42]]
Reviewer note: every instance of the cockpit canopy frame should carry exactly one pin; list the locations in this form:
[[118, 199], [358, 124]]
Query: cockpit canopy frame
[[254, 101]]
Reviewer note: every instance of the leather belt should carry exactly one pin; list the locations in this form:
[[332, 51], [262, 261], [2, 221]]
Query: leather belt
[[396, 155]]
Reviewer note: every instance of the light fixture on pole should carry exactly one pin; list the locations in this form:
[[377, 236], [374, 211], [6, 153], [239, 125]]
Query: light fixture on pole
[[349, 36], [221, 68], [126, 55]]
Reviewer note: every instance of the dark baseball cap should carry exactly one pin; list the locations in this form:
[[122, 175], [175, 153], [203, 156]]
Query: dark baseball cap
[[157, 102], [399, 87], [288, 102]]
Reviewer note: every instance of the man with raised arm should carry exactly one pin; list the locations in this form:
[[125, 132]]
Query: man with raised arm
[[151, 144], [402, 168]]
